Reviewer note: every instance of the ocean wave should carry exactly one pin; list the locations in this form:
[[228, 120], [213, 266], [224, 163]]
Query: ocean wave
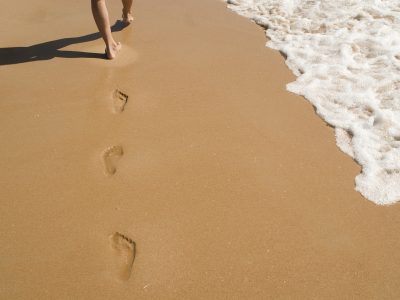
[[346, 56]]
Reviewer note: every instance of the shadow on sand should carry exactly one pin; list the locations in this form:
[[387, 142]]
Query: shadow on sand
[[51, 49]]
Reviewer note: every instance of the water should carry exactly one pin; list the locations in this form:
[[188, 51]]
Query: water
[[346, 56]]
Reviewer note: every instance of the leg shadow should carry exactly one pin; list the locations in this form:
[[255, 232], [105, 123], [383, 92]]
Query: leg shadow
[[51, 49]]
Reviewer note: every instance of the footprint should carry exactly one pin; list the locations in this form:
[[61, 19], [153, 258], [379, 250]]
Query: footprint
[[110, 157], [119, 100], [125, 251]]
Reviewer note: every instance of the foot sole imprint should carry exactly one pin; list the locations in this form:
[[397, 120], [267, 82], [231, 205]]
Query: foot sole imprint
[[119, 101], [110, 157], [125, 252]]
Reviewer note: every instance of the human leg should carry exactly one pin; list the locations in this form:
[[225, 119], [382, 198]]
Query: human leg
[[126, 11], [100, 15]]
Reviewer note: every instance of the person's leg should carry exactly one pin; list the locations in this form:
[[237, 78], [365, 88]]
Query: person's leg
[[100, 15], [126, 11]]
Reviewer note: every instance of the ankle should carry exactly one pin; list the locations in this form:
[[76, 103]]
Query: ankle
[[111, 44], [126, 11]]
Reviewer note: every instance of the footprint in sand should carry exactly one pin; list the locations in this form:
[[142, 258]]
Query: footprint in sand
[[110, 157], [119, 101], [125, 251]]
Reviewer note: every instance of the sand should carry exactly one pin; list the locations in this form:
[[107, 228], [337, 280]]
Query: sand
[[210, 182]]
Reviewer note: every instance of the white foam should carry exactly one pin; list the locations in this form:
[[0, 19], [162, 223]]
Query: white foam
[[346, 54]]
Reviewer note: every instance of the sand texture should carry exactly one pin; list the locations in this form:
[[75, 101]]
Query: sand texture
[[181, 170]]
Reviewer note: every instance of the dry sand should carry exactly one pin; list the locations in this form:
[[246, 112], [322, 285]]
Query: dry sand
[[228, 186]]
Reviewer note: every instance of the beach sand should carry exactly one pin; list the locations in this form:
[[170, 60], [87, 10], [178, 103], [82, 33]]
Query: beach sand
[[219, 183]]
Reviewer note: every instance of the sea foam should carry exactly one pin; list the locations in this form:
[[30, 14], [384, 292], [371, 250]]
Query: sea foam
[[346, 56]]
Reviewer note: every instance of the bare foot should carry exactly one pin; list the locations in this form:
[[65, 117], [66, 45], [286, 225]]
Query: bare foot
[[127, 17], [112, 50]]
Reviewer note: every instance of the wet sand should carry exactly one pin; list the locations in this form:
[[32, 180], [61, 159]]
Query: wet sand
[[218, 182]]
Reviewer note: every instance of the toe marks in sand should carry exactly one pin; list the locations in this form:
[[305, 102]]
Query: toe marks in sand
[[119, 101], [112, 154], [124, 248], [110, 158], [125, 252]]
